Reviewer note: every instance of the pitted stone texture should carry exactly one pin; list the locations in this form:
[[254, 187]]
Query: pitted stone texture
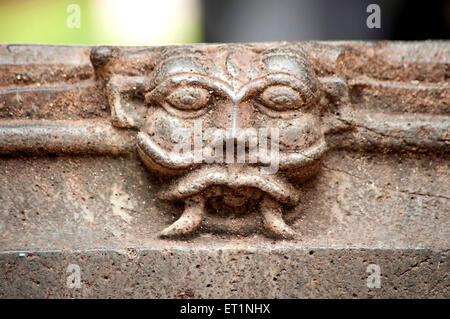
[[366, 204], [357, 200], [226, 272], [389, 210]]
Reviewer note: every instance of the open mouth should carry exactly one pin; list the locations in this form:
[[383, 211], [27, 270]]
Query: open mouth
[[201, 179], [235, 185], [232, 184]]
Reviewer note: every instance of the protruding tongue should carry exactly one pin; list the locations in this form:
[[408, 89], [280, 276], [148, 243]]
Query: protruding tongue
[[190, 220], [272, 213]]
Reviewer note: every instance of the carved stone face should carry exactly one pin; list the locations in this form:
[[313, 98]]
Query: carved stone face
[[224, 93]]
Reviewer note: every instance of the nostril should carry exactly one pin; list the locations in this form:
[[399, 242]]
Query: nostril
[[224, 147], [230, 150], [236, 150]]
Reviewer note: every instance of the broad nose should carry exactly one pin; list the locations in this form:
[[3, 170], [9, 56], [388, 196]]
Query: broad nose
[[233, 115], [231, 122], [235, 149], [235, 145]]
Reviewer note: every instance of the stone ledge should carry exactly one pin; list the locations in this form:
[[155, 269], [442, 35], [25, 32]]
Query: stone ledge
[[225, 272]]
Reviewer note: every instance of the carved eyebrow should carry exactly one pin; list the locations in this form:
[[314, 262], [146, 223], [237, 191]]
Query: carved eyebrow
[[226, 89], [273, 79], [190, 78]]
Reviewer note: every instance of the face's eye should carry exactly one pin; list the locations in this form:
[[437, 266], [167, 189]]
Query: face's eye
[[188, 98], [281, 98]]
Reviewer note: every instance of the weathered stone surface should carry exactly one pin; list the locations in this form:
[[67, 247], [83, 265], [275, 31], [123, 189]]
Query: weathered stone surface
[[380, 195], [224, 272]]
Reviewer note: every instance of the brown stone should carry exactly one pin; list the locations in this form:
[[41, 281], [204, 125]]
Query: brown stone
[[87, 176]]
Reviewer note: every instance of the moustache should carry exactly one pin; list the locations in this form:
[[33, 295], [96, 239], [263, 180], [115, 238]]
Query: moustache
[[198, 180]]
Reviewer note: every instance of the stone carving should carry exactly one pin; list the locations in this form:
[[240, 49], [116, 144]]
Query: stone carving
[[230, 90], [276, 108]]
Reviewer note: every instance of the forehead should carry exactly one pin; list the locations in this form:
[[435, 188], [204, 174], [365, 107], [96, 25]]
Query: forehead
[[235, 65]]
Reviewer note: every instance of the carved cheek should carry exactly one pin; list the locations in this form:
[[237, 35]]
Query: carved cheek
[[221, 115], [299, 133], [166, 130]]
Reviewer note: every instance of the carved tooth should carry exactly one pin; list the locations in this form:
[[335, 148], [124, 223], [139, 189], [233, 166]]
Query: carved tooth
[[272, 213], [190, 220]]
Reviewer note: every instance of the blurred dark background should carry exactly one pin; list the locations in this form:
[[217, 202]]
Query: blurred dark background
[[265, 20], [157, 22]]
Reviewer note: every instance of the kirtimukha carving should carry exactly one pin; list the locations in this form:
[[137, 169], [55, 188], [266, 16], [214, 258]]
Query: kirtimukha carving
[[227, 92], [240, 127]]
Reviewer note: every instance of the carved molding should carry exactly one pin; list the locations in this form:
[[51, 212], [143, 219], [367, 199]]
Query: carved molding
[[320, 96]]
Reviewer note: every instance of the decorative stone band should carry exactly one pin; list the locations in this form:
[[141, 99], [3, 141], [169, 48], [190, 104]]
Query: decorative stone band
[[412, 132], [63, 137], [419, 131]]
